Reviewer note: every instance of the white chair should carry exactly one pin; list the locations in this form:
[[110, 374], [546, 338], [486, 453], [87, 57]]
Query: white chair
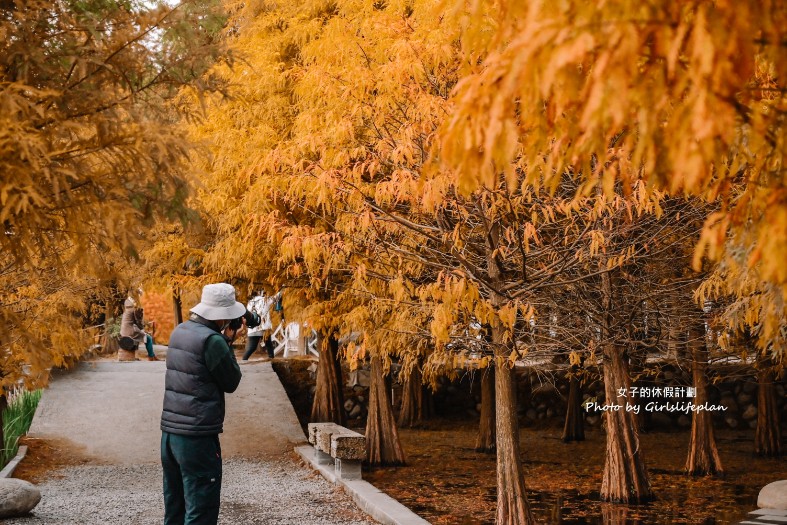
[[311, 344], [292, 340], [278, 339], [287, 340]]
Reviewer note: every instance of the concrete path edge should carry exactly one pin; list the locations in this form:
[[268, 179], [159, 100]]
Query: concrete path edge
[[8, 470], [369, 498]]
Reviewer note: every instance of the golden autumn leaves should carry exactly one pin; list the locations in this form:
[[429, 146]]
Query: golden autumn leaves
[[364, 132], [687, 97], [90, 153], [439, 177]]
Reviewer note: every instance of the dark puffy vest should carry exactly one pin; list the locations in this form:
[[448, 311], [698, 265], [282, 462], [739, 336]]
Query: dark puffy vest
[[193, 402]]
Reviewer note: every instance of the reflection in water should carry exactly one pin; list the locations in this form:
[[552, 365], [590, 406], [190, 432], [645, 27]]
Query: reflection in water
[[448, 483], [562, 510], [616, 515]]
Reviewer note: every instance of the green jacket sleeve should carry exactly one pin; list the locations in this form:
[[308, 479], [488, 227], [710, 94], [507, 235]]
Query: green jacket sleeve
[[221, 363]]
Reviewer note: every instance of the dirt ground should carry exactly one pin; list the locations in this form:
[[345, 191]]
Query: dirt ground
[[447, 482], [46, 456]]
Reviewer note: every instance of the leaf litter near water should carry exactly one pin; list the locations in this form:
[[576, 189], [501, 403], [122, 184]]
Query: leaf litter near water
[[447, 482]]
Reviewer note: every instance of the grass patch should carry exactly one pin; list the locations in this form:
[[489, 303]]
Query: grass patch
[[16, 421]]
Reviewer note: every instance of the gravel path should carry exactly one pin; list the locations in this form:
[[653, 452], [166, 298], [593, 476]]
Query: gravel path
[[253, 492], [108, 413]]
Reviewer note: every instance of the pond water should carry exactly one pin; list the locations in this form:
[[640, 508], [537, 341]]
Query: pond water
[[447, 482]]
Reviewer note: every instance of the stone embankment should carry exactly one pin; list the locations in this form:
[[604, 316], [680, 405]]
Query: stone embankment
[[542, 395]]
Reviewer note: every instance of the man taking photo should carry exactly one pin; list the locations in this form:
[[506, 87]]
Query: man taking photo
[[201, 368]]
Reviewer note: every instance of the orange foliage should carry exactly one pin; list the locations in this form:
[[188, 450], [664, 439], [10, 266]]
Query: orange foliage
[[158, 308]]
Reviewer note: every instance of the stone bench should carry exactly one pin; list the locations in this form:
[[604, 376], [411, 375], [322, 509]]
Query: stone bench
[[338, 445]]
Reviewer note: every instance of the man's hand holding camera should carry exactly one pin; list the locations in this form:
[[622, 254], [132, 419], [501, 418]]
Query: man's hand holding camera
[[248, 319]]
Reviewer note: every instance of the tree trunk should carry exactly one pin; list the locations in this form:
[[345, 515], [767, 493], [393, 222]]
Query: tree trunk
[[382, 436], [485, 442], [411, 400], [512, 504], [672, 339], [328, 405], [703, 457], [177, 307], [645, 417], [417, 404], [625, 479], [427, 403], [109, 343], [574, 428], [768, 440]]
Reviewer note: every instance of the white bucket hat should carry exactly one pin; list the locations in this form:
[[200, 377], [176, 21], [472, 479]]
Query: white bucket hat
[[218, 302]]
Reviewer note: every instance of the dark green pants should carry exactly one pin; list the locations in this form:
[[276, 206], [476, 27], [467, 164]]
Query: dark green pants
[[192, 479]]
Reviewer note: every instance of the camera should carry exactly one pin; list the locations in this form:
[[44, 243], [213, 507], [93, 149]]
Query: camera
[[252, 320]]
